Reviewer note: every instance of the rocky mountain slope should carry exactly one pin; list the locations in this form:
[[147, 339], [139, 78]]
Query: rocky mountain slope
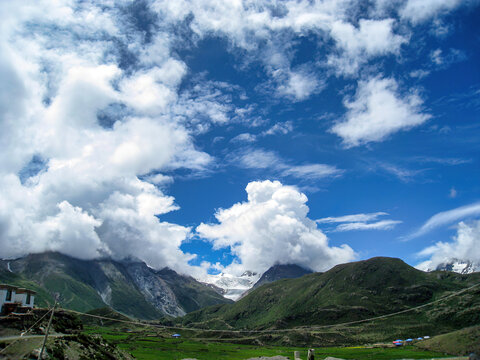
[[130, 287], [350, 292]]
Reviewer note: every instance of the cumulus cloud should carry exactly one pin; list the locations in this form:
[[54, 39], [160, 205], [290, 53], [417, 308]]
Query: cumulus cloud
[[465, 246], [445, 218], [360, 222], [357, 45], [378, 111], [71, 183], [272, 226]]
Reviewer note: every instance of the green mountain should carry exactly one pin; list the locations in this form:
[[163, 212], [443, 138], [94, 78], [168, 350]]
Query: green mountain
[[129, 287], [351, 292]]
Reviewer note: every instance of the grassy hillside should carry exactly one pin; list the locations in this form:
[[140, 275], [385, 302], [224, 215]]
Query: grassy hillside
[[350, 292], [461, 342]]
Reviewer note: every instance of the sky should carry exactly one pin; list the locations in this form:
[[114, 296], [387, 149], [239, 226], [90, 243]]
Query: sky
[[222, 136]]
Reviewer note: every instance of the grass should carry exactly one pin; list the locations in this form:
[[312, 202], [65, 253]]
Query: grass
[[150, 345], [461, 342]]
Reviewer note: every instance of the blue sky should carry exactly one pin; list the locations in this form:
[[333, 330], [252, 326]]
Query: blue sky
[[140, 128]]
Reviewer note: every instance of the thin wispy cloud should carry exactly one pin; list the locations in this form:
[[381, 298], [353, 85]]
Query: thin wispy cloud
[[446, 218], [264, 159], [360, 222], [379, 225]]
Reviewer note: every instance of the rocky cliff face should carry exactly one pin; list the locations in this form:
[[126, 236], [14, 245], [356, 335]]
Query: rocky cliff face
[[130, 286]]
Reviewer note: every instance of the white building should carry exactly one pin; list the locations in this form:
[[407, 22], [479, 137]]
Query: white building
[[25, 297], [16, 296]]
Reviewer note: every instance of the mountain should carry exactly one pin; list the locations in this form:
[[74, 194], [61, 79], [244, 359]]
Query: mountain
[[129, 287], [235, 287], [350, 292], [230, 286], [459, 266], [278, 272]]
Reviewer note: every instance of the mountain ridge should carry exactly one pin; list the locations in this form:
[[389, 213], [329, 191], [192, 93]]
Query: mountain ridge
[[129, 287], [347, 292]]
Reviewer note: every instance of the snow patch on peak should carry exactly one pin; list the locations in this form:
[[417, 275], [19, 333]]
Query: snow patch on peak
[[232, 287], [454, 265]]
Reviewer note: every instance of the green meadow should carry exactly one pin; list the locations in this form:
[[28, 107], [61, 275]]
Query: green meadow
[[144, 345]]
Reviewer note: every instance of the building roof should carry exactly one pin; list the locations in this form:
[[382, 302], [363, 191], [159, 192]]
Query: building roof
[[23, 291], [8, 287], [17, 289]]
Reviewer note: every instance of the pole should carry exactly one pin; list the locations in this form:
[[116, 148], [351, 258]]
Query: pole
[[46, 332]]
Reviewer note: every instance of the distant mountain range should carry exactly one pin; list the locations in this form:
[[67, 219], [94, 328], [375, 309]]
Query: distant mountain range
[[130, 287], [235, 287], [285, 295], [350, 292], [455, 265]]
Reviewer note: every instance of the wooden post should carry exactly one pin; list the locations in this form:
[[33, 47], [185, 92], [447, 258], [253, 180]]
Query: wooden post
[[46, 332], [296, 355], [311, 354]]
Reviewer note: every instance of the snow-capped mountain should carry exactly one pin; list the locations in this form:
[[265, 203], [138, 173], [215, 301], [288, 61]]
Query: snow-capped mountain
[[459, 266], [231, 286], [455, 265]]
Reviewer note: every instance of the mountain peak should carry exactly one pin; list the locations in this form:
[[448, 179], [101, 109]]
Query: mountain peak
[[282, 271]]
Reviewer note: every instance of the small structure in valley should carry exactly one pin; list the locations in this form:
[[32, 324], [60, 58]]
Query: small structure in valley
[[176, 335], [13, 298]]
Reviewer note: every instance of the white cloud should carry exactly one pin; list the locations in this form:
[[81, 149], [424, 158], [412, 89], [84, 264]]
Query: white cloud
[[263, 159], [88, 199], [311, 171], [271, 227], [244, 137], [421, 10], [452, 193], [465, 247], [419, 74], [357, 45], [445, 218], [436, 56], [352, 218], [279, 128], [297, 84], [360, 222], [378, 111], [379, 225], [403, 174]]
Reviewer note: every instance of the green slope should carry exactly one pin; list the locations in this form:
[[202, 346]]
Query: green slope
[[348, 292], [461, 342]]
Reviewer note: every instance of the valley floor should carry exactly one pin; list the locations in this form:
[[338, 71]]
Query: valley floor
[[147, 345]]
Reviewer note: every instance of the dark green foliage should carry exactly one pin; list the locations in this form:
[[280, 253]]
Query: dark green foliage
[[66, 323]]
